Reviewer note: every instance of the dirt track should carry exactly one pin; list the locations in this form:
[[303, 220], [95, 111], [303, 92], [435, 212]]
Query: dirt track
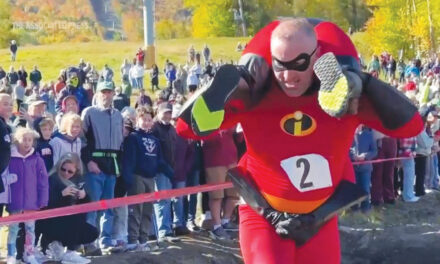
[[392, 234]]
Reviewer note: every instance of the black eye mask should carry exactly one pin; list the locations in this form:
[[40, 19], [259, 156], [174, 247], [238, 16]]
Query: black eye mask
[[300, 63]]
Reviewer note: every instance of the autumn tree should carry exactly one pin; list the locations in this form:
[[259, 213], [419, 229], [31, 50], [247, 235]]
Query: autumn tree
[[212, 18], [5, 24], [406, 25]]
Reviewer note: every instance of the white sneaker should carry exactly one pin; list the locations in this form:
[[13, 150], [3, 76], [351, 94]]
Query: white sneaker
[[30, 259], [412, 200], [11, 260], [56, 250], [71, 257]]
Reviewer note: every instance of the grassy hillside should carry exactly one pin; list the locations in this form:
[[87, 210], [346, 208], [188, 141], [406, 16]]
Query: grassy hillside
[[52, 58]]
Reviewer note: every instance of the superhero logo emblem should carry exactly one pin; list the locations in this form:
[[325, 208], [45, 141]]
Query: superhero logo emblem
[[298, 124]]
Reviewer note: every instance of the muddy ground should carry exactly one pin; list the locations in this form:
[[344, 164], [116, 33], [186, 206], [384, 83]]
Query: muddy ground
[[404, 233]]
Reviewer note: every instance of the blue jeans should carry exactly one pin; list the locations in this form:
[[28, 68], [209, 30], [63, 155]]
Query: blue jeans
[[162, 208], [193, 179], [409, 174], [140, 82], [101, 187], [120, 225], [179, 217], [29, 237], [133, 83], [434, 171], [363, 179]]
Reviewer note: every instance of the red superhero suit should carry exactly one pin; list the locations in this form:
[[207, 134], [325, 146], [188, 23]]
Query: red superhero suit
[[297, 154]]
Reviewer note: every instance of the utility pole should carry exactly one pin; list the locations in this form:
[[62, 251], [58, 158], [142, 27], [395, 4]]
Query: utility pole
[[243, 23], [150, 53]]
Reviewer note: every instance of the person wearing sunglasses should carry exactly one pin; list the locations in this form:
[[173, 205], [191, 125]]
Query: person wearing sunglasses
[[299, 95], [65, 189]]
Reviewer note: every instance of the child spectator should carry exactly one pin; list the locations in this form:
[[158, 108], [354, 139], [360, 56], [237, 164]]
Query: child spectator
[[166, 133], [45, 130], [29, 193], [67, 139], [142, 160], [69, 104]]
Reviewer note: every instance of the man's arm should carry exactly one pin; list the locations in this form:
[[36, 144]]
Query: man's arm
[[86, 152], [397, 117]]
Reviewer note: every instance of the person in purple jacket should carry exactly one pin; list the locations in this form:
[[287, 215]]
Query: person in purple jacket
[[29, 193]]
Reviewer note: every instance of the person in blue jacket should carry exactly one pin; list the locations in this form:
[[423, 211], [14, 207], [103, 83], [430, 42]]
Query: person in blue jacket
[[142, 159], [364, 148]]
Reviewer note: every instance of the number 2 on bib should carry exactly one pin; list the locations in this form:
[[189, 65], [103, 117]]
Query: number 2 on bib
[[308, 172]]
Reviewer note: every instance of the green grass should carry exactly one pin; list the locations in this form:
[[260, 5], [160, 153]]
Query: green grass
[[52, 58]]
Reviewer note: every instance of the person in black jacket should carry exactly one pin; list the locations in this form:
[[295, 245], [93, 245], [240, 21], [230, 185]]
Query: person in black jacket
[[154, 78], [166, 133], [13, 49], [35, 77], [120, 100], [65, 189], [22, 75], [5, 136], [12, 76]]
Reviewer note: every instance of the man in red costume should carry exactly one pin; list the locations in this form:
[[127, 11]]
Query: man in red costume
[[298, 113]]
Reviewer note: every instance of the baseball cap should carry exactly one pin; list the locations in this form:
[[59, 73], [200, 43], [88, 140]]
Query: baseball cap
[[105, 85], [164, 107], [36, 102]]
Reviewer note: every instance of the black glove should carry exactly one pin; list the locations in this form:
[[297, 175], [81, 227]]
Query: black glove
[[292, 226], [298, 227]]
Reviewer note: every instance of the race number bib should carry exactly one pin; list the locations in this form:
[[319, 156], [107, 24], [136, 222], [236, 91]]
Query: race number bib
[[308, 172]]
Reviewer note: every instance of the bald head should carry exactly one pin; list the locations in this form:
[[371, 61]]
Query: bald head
[[294, 43], [289, 29]]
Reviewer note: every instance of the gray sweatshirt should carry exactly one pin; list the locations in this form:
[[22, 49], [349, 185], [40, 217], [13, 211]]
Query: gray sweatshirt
[[103, 132]]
